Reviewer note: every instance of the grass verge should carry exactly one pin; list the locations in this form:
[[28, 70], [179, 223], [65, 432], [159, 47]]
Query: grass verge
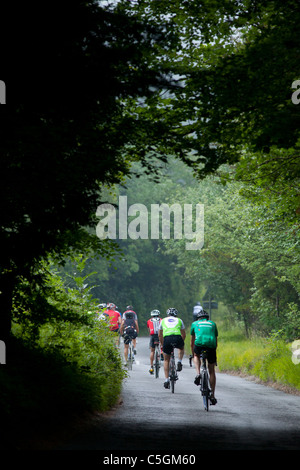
[[270, 360]]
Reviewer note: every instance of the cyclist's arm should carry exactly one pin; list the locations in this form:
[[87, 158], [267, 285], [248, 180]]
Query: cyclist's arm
[[122, 327], [183, 333], [137, 327]]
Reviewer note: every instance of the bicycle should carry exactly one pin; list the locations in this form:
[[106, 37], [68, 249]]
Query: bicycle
[[172, 369], [204, 381], [157, 356]]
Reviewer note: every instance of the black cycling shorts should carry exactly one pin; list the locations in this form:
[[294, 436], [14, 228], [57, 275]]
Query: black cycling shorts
[[172, 339], [211, 353], [153, 339]]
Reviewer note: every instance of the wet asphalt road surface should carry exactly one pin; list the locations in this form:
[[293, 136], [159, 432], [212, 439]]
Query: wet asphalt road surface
[[248, 416]]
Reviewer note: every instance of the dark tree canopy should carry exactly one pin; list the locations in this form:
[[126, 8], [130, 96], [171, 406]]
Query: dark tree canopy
[[92, 86]]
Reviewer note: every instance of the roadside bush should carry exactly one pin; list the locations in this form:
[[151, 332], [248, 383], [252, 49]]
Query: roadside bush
[[62, 360]]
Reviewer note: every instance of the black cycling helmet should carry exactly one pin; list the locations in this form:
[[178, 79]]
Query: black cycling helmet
[[202, 314], [172, 312], [129, 307]]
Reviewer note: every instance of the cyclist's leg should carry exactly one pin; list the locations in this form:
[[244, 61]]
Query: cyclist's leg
[[180, 354], [180, 347], [167, 349], [212, 378], [197, 363], [180, 357], [212, 362], [125, 351], [166, 365], [134, 344], [152, 350]]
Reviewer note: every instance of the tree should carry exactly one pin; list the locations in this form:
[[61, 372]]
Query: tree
[[110, 83], [250, 258], [64, 130], [236, 63]]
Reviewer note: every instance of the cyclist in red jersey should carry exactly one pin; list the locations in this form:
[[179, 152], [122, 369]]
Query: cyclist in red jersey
[[114, 317], [153, 326]]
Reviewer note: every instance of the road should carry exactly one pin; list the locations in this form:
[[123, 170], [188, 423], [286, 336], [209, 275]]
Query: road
[[248, 416]]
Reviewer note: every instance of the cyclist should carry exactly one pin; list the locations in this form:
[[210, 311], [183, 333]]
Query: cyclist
[[114, 317], [129, 308], [100, 311], [197, 309], [204, 335], [171, 330], [129, 330], [153, 326]]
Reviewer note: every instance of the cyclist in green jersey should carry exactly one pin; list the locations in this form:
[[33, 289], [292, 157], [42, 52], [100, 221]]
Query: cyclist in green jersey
[[204, 336], [171, 331]]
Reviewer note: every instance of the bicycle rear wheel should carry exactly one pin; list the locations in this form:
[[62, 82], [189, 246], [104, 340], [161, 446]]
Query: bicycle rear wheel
[[172, 380], [172, 374], [205, 390], [130, 357]]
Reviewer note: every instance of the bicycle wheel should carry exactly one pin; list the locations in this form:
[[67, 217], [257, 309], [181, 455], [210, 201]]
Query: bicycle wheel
[[205, 390], [157, 363], [172, 374]]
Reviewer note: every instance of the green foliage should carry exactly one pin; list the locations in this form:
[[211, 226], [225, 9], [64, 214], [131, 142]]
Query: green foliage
[[62, 360], [250, 258], [269, 360]]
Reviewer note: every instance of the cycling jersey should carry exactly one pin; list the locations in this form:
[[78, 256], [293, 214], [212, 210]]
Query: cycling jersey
[[171, 326], [134, 314], [153, 325], [113, 319], [205, 332]]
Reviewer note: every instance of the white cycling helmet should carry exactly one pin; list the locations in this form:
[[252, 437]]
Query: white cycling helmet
[[155, 313]]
